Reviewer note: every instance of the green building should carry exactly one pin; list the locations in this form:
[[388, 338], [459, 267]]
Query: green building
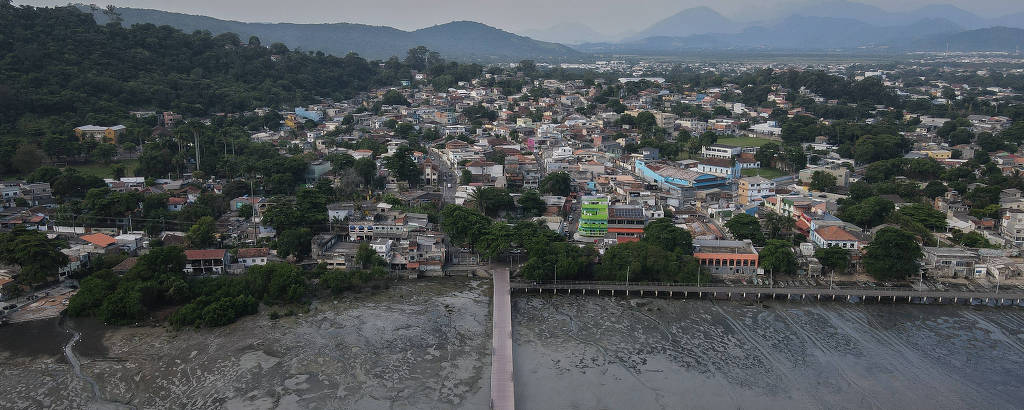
[[594, 216]]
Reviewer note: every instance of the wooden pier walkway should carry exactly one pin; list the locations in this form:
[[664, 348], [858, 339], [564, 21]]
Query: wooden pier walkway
[[717, 291], [502, 383]]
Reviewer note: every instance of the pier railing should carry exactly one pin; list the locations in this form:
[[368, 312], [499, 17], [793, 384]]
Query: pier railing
[[747, 291]]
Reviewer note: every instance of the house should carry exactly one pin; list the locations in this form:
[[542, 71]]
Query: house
[[720, 151], [258, 203], [130, 242], [752, 190], [340, 211], [252, 256], [726, 168], [108, 135], [948, 262], [330, 250], [719, 257], [841, 173], [175, 203], [125, 266], [383, 247], [101, 243], [206, 261], [834, 236]]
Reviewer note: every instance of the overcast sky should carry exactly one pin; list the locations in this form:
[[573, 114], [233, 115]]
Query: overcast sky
[[608, 16]]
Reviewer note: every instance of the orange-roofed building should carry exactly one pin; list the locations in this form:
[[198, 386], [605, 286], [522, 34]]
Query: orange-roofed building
[[99, 240]]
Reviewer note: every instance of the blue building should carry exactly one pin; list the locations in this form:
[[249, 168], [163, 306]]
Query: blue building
[[668, 176], [309, 115]]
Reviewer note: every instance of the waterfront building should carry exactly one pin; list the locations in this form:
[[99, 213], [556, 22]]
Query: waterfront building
[[719, 257], [594, 216]]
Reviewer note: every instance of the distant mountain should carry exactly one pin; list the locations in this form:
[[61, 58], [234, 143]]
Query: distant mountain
[[569, 33], [792, 33], [697, 20], [879, 17], [463, 40], [986, 39], [1013, 20]]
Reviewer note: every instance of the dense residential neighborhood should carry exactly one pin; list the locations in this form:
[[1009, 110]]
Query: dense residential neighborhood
[[787, 205], [594, 161]]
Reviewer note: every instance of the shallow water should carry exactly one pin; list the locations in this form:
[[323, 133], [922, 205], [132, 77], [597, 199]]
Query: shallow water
[[426, 345], [616, 353]]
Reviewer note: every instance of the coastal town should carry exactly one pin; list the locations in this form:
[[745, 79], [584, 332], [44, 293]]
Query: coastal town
[[470, 205], [774, 185]]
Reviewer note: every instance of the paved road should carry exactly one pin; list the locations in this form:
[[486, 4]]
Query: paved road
[[502, 388]]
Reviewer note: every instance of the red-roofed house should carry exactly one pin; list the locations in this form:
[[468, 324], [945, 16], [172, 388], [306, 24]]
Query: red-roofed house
[[100, 241], [252, 256], [206, 261], [828, 236], [175, 203]]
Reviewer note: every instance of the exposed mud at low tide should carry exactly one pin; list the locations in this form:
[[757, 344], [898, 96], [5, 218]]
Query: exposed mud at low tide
[[614, 353], [421, 345]]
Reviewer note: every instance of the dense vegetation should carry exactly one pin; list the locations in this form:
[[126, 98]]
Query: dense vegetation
[[59, 70], [157, 283], [665, 254]]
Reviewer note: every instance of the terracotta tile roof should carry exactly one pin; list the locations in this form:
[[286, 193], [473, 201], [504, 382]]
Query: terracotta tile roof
[[99, 239], [198, 254], [253, 252], [125, 265], [835, 233]]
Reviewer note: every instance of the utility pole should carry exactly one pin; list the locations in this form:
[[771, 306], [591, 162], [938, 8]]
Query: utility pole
[[195, 133], [252, 217]]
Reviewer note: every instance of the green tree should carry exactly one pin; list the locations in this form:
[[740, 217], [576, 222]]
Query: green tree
[[868, 213], [464, 226], [935, 189], [744, 226], [367, 169], [778, 257], [931, 218], [38, 256], [466, 177], [202, 234], [556, 183], [393, 97], [491, 201], [893, 255], [663, 233], [27, 158], [367, 258], [823, 181], [294, 242], [403, 166], [531, 204], [833, 258]]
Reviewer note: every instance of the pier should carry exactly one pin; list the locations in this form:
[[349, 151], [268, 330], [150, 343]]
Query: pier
[[502, 383], [747, 292]]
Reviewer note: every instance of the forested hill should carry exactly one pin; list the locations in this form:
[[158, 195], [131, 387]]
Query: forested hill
[[59, 69], [462, 40]]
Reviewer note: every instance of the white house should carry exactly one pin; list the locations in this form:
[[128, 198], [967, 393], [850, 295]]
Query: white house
[[252, 256], [727, 168], [720, 151], [832, 235], [339, 211]]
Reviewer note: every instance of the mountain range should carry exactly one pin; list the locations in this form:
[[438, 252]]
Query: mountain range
[[831, 26], [461, 40], [834, 25]]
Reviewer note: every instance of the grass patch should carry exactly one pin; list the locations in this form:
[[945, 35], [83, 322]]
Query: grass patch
[[744, 141], [768, 173], [104, 170]]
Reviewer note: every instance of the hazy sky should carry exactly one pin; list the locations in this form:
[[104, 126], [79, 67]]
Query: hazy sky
[[609, 16]]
